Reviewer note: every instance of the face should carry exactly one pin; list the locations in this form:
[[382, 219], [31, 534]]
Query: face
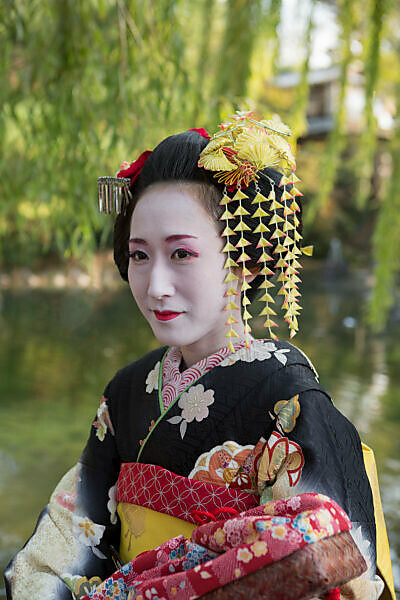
[[176, 269]]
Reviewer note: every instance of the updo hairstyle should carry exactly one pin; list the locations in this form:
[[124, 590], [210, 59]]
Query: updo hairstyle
[[175, 160]]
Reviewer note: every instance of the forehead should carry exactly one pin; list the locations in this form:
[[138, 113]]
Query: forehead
[[170, 208]]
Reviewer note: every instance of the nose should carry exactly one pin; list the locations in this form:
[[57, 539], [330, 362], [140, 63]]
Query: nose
[[160, 281]]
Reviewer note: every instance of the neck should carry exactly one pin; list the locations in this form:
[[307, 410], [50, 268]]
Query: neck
[[195, 352]]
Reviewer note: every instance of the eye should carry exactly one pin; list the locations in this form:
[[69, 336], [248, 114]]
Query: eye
[[137, 255], [182, 253]]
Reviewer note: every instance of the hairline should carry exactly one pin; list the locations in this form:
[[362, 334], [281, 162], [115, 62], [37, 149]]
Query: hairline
[[208, 194]]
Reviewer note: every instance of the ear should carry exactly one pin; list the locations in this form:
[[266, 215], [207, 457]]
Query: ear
[[249, 278]]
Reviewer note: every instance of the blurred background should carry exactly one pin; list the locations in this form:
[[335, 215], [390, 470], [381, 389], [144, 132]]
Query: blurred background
[[86, 84]]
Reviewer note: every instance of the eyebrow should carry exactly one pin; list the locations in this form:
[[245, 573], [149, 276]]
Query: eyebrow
[[170, 238]]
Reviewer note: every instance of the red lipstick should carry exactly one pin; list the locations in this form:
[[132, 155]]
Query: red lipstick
[[166, 315]]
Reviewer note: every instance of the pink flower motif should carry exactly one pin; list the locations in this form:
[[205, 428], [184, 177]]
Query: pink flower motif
[[67, 500], [234, 532], [294, 502], [293, 537]]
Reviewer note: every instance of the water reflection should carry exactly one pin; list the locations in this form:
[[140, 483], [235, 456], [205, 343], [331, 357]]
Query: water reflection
[[58, 350]]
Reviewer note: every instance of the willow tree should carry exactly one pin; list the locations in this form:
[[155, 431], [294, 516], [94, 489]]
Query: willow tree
[[234, 60], [337, 138], [86, 84], [387, 238], [368, 142], [297, 118]]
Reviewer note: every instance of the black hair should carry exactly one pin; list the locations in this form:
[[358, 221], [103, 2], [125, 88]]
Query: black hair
[[175, 159]]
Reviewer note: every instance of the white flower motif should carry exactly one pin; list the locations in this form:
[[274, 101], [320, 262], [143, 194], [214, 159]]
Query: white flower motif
[[195, 402], [152, 378], [259, 350], [112, 504], [324, 517], [205, 575], [280, 355], [86, 531], [103, 421], [152, 593]]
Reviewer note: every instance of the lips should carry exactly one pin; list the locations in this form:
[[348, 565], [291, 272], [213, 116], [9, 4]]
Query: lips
[[166, 315]]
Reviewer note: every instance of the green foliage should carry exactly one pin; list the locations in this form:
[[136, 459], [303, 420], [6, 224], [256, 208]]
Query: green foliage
[[298, 117], [387, 238], [337, 140], [83, 81], [87, 84], [365, 159], [234, 57]]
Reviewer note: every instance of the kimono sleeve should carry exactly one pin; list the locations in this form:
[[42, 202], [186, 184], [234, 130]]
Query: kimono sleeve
[[71, 549], [314, 448]]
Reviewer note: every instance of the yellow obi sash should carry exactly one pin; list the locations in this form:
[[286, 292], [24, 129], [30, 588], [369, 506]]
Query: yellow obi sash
[[155, 505], [144, 529], [383, 561]]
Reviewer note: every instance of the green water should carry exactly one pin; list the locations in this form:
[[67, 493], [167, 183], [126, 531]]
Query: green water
[[59, 349]]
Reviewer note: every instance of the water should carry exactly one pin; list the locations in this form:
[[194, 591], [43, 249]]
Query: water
[[59, 349]]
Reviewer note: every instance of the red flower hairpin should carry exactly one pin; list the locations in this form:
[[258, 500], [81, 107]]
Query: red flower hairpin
[[133, 171]]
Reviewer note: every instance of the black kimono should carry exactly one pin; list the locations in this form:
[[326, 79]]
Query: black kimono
[[204, 423]]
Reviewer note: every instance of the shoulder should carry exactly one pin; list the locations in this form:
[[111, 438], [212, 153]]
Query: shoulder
[[295, 355], [271, 355], [282, 368]]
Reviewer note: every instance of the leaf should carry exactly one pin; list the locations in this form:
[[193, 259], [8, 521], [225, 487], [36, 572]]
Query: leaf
[[98, 552], [175, 420], [287, 412], [279, 355], [183, 428]]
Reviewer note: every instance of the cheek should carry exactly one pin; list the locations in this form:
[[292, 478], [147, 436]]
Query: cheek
[[208, 286], [136, 284]]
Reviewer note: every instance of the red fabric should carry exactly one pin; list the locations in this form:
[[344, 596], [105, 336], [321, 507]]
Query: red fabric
[[202, 132], [333, 594], [227, 550], [133, 171], [194, 501]]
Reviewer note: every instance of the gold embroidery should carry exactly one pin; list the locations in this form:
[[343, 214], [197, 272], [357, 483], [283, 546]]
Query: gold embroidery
[[287, 412]]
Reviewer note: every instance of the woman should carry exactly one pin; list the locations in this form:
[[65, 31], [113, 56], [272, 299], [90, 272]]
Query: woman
[[213, 409]]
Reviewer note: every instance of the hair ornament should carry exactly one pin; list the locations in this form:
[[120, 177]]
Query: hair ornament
[[238, 153], [113, 192]]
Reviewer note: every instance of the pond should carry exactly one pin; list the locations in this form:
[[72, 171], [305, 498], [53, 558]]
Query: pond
[[58, 349]]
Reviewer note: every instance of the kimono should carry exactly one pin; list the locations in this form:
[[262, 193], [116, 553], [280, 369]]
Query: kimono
[[255, 425]]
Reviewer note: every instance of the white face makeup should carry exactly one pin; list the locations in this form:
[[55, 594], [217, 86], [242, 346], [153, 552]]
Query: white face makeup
[[176, 271]]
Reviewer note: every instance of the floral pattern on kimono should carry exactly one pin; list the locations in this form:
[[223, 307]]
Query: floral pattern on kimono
[[224, 551], [246, 399]]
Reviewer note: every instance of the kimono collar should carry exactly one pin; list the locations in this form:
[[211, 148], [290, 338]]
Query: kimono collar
[[174, 381]]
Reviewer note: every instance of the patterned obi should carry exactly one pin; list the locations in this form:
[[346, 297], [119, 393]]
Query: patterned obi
[[155, 505]]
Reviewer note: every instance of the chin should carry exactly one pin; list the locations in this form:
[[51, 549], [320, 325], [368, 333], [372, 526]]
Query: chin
[[173, 338]]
